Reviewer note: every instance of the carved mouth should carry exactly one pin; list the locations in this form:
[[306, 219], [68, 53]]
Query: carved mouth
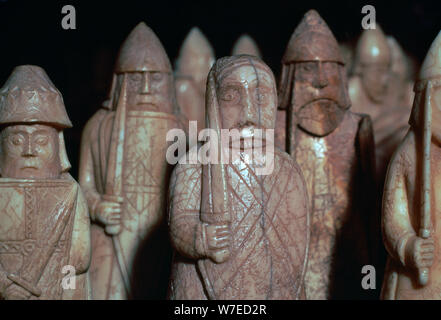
[[29, 167], [249, 138], [321, 100], [146, 100]]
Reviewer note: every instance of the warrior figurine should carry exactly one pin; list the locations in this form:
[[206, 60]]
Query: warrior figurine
[[125, 175], [195, 60], [411, 206], [246, 45], [368, 87], [334, 149], [370, 91], [44, 222], [238, 232]]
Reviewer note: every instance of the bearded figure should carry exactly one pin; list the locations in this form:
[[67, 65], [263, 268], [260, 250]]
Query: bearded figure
[[334, 149], [124, 173], [195, 60], [239, 233], [44, 221], [412, 202]]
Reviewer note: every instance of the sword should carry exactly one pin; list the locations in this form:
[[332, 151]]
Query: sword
[[113, 187]]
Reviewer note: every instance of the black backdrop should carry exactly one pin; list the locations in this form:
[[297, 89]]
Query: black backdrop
[[80, 61]]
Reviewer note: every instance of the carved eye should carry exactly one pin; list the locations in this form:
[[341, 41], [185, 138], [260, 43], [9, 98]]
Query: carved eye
[[17, 140], [307, 67], [42, 140], [136, 77], [230, 95], [157, 76]]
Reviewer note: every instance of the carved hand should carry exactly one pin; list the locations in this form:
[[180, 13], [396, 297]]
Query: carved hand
[[108, 213], [15, 292], [419, 252], [218, 242]]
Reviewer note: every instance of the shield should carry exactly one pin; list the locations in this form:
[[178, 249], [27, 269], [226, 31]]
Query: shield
[[27, 214]]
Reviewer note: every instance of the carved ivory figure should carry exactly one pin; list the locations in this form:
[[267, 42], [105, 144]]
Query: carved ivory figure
[[125, 175], [239, 234], [412, 194], [44, 221], [334, 149]]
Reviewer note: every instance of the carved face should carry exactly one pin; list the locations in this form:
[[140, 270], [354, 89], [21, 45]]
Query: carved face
[[29, 151], [150, 91], [247, 98], [375, 78], [318, 97]]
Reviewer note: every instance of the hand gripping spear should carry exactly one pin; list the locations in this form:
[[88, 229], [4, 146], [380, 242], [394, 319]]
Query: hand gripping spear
[[424, 232], [113, 187]]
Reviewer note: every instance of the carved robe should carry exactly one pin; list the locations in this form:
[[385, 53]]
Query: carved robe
[[337, 169], [401, 220], [269, 230]]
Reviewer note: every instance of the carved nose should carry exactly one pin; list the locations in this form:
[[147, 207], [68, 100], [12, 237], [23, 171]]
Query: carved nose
[[28, 150], [321, 81], [146, 84]]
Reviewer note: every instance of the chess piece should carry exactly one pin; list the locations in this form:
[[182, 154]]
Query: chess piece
[[238, 234], [368, 87], [333, 147], [124, 173], [371, 90], [246, 45], [391, 125], [195, 60], [411, 203], [44, 221]]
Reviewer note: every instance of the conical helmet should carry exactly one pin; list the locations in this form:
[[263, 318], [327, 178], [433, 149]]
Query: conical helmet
[[430, 72], [431, 67], [196, 55], [29, 96], [246, 45], [372, 47], [312, 40], [142, 51]]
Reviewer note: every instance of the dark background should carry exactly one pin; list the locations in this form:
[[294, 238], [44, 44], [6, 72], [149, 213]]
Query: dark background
[[80, 61]]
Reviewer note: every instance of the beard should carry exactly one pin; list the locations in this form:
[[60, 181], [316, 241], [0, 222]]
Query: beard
[[320, 117]]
